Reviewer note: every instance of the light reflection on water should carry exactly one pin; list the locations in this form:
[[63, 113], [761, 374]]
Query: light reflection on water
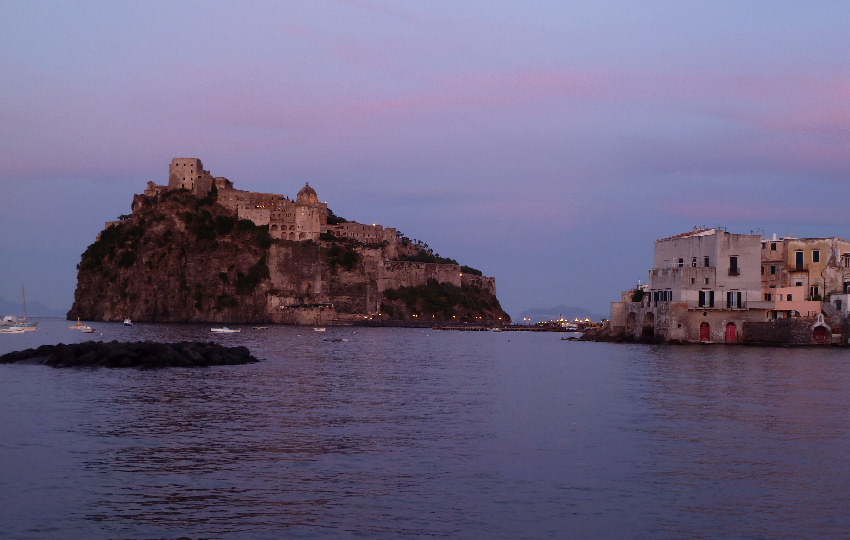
[[401, 432]]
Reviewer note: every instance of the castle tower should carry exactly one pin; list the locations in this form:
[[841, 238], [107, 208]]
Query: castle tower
[[310, 215], [189, 173]]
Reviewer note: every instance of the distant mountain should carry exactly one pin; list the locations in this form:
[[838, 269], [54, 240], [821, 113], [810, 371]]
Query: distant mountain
[[34, 309], [551, 313]]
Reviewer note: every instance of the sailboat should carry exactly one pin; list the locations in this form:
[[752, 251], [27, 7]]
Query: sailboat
[[24, 325], [81, 327]]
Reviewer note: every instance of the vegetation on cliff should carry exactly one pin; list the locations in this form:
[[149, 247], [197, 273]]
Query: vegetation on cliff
[[444, 303], [176, 258]]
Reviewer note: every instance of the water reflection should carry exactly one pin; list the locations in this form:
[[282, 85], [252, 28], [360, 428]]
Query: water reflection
[[416, 433]]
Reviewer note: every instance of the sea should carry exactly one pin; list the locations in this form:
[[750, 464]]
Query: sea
[[420, 433]]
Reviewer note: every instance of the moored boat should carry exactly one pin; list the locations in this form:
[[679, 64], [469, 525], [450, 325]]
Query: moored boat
[[225, 330], [21, 325], [128, 322], [12, 330]]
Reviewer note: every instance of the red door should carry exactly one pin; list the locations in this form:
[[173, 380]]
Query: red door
[[704, 332], [731, 333], [820, 336]]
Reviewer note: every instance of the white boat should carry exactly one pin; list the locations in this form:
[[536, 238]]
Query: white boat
[[319, 329], [25, 327], [81, 327], [128, 322], [22, 324], [225, 330], [12, 330], [87, 330]]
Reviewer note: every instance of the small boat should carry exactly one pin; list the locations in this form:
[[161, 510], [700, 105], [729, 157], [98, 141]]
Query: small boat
[[128, 322], [259, 328], [81, 327], [12, 330], [87, 330], [21, 324], [225, 330], [319, 329]]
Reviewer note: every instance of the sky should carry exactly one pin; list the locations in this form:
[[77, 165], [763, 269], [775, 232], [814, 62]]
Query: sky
[[548, 144]]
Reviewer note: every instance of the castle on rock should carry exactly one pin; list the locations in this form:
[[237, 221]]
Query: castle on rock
[[303, 219]]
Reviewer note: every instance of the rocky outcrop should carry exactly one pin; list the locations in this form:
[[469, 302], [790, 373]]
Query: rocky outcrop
[[143, 355], [179, 258]]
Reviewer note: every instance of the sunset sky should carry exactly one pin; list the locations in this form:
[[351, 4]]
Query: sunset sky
[[547, 144]]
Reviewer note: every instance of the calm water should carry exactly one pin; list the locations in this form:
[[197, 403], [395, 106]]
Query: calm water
[[401, 432]]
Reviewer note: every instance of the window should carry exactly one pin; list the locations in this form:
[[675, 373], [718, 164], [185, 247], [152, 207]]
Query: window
[[772, 269], [733, 266], [710, 298], [694, 280], [730, 299], [706, 262], [815, 290], [706, 281], [694, 262], [740, 299], [701, 298], [681, 263], [767, 297], [838, 304], [788, 297], [815, 255], [798, 261], [773, 246]]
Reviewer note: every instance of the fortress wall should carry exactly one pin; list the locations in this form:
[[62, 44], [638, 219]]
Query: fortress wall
[[482, 282], [260, 216], [359, 232], [395, 274]]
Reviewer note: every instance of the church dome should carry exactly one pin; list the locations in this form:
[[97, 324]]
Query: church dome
[[307, 195]]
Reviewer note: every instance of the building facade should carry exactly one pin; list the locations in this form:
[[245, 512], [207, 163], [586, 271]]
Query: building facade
[[708, 285]]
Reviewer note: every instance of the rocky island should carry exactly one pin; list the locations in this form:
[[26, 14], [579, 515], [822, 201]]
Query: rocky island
[[199, 250]]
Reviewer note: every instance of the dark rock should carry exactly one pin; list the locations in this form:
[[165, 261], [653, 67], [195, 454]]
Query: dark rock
[[140, 354]]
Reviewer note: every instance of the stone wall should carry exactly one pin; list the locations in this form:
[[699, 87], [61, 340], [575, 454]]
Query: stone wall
[[395, 274], [796, 331], [484, 283]]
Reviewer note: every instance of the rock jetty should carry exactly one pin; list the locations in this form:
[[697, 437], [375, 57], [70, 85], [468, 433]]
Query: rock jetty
[[142, 355]]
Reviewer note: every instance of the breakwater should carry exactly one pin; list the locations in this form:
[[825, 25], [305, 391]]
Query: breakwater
[[144, 355]]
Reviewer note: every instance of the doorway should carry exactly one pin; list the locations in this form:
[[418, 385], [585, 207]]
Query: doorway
[[731, 333], [705, 332]]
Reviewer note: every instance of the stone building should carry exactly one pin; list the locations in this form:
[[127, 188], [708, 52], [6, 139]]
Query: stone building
[[708, 285], [821, 266], [305, 218], [189, 173]]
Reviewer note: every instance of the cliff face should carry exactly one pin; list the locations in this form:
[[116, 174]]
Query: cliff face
[[179, 258]]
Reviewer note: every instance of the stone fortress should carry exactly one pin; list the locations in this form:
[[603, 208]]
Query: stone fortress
[[305, 218], [299, 289]]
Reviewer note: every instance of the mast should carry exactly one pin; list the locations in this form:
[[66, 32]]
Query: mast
[[24, 295]]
